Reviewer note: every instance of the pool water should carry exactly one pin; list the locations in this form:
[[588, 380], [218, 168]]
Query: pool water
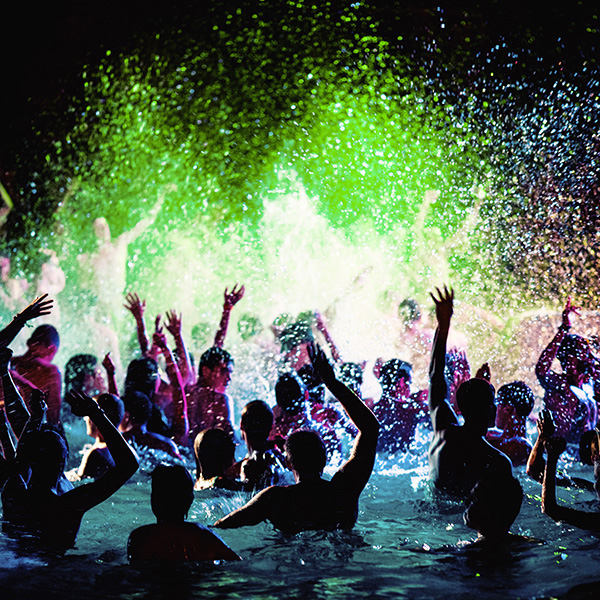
[[403, 546]]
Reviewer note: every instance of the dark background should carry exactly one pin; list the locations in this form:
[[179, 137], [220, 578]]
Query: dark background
[[45, 46]]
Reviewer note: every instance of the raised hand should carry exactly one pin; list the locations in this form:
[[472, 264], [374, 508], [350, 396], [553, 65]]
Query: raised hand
[[159, 339], [320, 362], [233, 297], [173, 323], [41, 306], [81, 404], [134, 305], [555, 446], [108, 364], [545, 425], [444, 306], [568, 312]]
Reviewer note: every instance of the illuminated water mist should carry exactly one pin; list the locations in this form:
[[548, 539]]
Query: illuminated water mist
[[320, 166]]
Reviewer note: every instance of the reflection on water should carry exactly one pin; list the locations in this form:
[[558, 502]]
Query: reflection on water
[[402, 547]]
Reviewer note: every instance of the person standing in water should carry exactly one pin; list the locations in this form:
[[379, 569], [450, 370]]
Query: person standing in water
[[172, 538], [459, 456], [313, 502], [33, 505]]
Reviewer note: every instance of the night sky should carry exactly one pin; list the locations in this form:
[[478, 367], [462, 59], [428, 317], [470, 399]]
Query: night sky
[[45, 45]]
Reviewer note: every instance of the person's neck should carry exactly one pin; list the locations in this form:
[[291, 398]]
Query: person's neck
[[477, 429], [514, 427]]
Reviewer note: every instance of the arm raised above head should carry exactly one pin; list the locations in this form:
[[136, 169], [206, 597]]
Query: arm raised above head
[[87, 496], [363, 453], [173, 326], [542, 368], [230, 299], [440, 411], [40, 307], [137, 308]]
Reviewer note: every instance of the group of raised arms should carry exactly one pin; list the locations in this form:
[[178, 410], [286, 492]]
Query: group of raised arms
[[168, 407]]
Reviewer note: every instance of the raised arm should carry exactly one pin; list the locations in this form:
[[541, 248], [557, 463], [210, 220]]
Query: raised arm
[[137, 308], [322, 327], [440, 411], [362, 457], [230, 300], [109, 367], [38, 308], [14, 406], [87, 496], [180, 415], [536, 463], [542, 368], [554, 447], [173, 326]]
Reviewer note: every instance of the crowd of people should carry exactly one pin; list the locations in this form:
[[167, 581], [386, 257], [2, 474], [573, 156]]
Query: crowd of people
[[318, 412]]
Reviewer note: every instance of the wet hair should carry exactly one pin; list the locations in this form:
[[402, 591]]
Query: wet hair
[[248, 326], [494, 504], [46, 451], [572, 345], [295, 334], [214, 452], [475, 399], [257, 419], [409, 310], [112, 406], [172, 492], [142, 374], [392, 370], [45, 335], [517, 394], [77, 368], [138, 405], [213, 357], [351, 374], [290, 392], [306, 452]]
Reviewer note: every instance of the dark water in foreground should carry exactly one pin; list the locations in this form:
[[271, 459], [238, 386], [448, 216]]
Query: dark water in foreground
[[401, 547]]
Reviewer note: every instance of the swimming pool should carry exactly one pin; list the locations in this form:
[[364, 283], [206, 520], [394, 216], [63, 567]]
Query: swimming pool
[[401, 547]]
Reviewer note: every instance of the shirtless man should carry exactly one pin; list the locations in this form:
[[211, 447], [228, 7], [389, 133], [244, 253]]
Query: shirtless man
[[515, 401], [36, 505], [313, 502], [35, 369], [207, 400], [172, 538], [459, 456]]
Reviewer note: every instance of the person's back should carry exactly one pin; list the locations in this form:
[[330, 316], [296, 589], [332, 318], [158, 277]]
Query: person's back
[[459, 456], [172, 538], [97, 459], [214, 452], [263, 464], [34, 507], [36, 367], [515, 402], [314, 503], [138, 409]]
